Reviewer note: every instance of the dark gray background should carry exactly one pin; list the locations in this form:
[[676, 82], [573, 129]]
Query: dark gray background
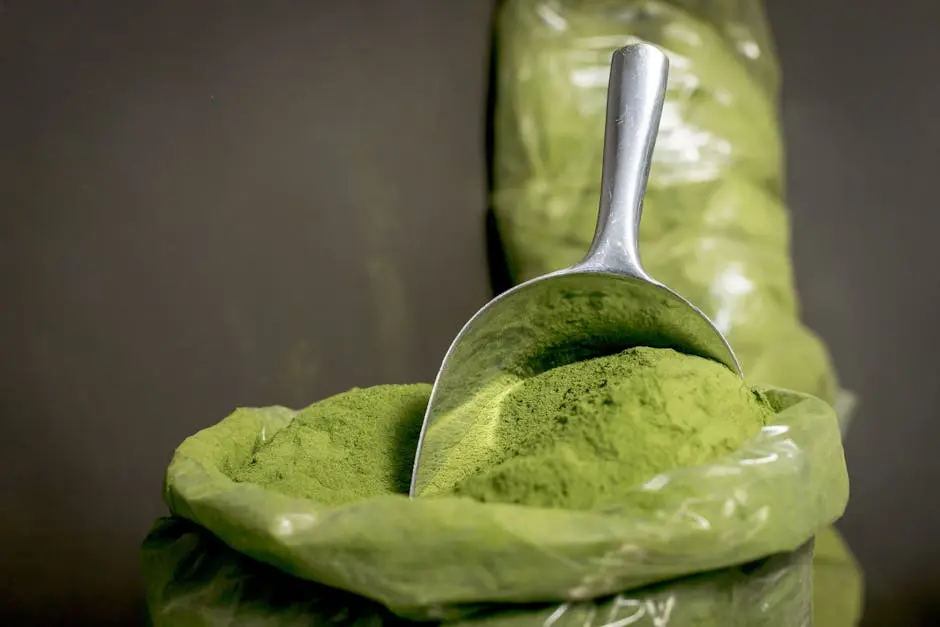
[[208, 204]]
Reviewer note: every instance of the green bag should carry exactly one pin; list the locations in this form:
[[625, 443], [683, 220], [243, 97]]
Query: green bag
[[444, 558]]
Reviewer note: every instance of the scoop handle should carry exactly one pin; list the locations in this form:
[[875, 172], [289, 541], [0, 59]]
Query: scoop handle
[[635, 97]]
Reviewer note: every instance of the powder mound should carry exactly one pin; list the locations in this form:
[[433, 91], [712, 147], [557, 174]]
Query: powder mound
[[348, 447], [582, 435]]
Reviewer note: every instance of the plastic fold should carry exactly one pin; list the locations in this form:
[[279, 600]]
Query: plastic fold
[[727, 544]]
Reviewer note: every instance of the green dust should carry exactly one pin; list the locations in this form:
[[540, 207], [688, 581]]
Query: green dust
[[337, 451], [581, 436]]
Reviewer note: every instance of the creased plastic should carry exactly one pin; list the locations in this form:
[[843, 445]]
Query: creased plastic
[[715, 227], [444, 558], [194, 580], [837, 582]]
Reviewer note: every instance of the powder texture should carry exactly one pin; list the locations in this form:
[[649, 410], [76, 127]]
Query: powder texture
[[336, 451], [567, 319], [582, 435]]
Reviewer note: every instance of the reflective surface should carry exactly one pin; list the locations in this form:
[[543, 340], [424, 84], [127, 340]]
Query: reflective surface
[[601, 306], [548, 322]]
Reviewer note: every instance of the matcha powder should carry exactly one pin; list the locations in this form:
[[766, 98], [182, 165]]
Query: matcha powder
[[345, 448], [581, 436]]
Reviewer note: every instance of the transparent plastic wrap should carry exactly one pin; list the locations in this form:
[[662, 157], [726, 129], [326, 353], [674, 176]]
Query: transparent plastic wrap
[[715, 227], [195, 580], [837, 582], [446, 558]]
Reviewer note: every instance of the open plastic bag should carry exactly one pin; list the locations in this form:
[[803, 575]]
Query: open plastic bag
[[714, 227], [445, 558]]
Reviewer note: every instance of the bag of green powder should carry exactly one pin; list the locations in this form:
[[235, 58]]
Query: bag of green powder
[[669, 548], [715, 227]]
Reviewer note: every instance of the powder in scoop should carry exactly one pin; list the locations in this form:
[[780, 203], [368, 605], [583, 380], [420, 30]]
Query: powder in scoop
[[348, 447], [582, 435]]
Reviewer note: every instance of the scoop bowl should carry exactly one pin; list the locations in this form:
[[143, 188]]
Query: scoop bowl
[[601, 306]]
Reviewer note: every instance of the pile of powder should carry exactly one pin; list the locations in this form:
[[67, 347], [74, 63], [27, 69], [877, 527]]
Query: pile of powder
[[581, 436], [348, 447]]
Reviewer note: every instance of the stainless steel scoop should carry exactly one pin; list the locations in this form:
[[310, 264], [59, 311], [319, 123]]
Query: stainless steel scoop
[[601, 306]]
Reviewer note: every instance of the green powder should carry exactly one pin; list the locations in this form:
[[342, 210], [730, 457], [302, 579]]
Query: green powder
[[339, 450], [578, 436], [581, 436]]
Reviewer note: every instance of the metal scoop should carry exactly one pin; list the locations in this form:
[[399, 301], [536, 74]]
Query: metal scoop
[[601, 306]]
